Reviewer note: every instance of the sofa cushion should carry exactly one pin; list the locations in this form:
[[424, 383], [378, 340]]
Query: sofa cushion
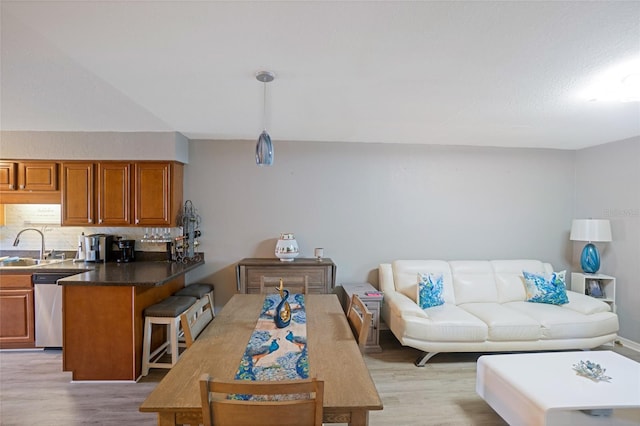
[[585, 304], [559, 322], [446, 323], [404, 277], [509, 279], [505, 324], [473, 281], [550, 289], [429, 290]]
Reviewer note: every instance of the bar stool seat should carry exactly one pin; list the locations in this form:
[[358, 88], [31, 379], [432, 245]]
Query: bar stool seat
[[198, 290], [166, 312]]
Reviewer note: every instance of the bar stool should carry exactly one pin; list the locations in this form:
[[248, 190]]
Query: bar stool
[[198, 291], [166, 312]]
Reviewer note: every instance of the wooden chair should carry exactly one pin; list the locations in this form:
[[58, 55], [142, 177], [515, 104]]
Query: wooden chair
[[218, 410], [196, 318], [359, 317], [293, 284]]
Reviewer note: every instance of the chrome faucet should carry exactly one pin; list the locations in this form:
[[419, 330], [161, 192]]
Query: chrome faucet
[[17, 240]]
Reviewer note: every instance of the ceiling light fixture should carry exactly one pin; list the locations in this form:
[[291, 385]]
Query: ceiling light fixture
[[620, 83], [264, 147]]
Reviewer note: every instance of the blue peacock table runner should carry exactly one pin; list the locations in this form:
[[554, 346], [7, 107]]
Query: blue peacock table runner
[[277, 353]]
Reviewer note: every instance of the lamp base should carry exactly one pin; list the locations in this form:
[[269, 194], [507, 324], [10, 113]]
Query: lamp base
[[590, 259]]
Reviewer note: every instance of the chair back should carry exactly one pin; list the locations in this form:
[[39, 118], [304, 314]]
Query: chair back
[[295, 284], [360, 320], [195, 319], [298, 402]]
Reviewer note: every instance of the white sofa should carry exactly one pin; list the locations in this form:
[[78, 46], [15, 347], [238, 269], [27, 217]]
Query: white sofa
[[485, 310]]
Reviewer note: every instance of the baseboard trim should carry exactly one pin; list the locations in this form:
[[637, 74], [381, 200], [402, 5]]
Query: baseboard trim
[[628, 343]]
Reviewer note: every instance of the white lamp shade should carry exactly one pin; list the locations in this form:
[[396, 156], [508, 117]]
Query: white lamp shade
[[598, 230]]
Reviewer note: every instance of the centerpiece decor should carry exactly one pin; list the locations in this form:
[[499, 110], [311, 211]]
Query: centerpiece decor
[[277, 353], [282, 318], [287, 247]]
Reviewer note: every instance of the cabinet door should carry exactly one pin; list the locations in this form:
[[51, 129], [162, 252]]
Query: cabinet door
[[16, 318], [38, 176], [7, 176], [152, 197], [114, 194], [77, 194]]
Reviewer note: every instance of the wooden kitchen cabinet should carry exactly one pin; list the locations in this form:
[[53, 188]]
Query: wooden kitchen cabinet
[[78, 197], [29, 182], [17, 318], [157, 193], [8, 176], [321, 274], [115, 193]]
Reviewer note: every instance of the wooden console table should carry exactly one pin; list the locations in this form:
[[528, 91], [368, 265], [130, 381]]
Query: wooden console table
[[321, 274]]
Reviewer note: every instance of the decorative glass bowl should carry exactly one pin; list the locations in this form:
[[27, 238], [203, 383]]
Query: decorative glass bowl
[[591, 370]]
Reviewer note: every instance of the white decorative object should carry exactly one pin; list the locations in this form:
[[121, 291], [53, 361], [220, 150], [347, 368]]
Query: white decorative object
[[318, 253], [591, 370], [287, 247]]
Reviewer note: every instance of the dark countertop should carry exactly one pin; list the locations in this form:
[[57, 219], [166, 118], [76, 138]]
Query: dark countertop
[[139, 274]]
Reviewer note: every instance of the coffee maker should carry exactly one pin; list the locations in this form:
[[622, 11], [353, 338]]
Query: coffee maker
[[98, 248], [127, 251]]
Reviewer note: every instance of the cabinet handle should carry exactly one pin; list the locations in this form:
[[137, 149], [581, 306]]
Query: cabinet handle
[[11, 186], [21, 186], [90, 221], [137, 221], [99, 220]]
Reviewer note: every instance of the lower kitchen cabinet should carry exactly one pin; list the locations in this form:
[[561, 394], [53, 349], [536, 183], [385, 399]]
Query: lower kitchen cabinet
[[103, 328], [17, 319]]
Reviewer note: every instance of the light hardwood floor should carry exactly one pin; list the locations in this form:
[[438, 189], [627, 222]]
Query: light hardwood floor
[[34, 390]]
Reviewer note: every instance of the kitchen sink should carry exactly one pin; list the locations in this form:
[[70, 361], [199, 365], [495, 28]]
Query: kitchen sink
[[26, 262]]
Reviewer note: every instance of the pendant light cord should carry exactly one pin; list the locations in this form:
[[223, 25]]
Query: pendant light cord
[[264, 105]]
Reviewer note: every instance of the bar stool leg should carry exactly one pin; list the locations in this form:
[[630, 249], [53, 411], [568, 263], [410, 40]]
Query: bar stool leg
[[146, 346]]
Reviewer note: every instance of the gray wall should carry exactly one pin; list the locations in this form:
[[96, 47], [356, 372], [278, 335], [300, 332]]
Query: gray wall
[[608, 187], [372, 203], [94, 145]]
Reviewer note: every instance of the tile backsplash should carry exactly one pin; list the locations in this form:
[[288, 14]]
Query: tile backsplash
[[47, 218]]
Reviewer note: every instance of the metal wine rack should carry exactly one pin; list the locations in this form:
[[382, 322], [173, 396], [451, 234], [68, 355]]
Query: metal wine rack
[[185, 245]]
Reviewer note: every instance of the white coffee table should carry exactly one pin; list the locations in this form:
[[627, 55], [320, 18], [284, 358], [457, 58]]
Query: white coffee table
[[543, 389]]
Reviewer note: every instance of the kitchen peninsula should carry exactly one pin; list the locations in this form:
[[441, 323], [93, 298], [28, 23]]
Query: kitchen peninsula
[[103, 315]]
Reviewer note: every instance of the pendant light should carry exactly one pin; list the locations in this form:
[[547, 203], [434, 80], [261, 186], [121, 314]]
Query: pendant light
[[264, 147]]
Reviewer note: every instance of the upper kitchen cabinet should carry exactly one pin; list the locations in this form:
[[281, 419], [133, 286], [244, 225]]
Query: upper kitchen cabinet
[[29, 182], [122, 193], [158, 193], [78, 194], [114, 194]]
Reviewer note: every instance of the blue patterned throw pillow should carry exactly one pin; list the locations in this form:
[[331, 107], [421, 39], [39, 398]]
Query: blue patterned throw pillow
[[429, 290], [550, 290]]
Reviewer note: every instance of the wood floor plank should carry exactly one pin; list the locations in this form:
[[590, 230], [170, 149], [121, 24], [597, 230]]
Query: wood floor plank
[[35, 390]]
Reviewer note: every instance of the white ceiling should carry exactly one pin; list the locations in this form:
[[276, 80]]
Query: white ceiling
[[462, 73]]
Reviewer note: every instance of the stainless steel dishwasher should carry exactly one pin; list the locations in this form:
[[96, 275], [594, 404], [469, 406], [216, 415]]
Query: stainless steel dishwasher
[[48, 308]]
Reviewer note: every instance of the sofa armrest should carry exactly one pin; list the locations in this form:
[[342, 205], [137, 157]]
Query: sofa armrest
[[404, 306], [585, 304], [397, 302]]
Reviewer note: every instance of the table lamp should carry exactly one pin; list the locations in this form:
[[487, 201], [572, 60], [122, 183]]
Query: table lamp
[[590, 230]]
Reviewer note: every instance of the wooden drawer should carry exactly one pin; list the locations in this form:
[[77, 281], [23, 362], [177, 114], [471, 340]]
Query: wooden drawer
[[15, 281], [316, 278], [320, 274]]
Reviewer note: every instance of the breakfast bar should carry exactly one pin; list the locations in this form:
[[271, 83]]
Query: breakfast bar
[[103, 315]]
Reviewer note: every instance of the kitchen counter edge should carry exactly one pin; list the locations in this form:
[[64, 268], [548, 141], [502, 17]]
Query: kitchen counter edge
[[137, 274]]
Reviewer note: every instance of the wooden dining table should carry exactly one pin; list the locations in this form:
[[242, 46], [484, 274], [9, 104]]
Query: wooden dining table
[[334, 357]]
